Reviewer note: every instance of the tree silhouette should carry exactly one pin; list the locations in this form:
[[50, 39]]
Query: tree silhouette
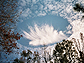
[[29, 57], [78, 7], [18, 61], [8, 20], [27, 54], [65, 52], [36, 57], [70, 51], [80, 46]]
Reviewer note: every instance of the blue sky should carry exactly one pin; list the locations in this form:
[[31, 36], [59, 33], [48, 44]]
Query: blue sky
[[47, 21], [57, 22]]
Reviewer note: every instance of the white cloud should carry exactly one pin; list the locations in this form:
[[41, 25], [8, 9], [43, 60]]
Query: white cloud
[[82, 2], [43, 35], [23, 3], [64, 8], [50, 6], [26, 12], [41, 7], [41, 14], [69, 8], [69, 32], [54, 12], [78, 26], [68, 27], [45, 9]]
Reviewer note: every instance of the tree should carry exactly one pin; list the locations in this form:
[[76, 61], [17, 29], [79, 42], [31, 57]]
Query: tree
[[78, 7], [8, 20], [70, 51], [36, 57], [18, 61], [45, 54], [80, 46], [65, 52], [27, 54], [29, 57]]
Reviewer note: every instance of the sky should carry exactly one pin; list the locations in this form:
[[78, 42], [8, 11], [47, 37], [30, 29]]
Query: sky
[[48, 21]]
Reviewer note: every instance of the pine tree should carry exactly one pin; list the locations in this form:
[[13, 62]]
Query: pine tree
[[30, 57], [18, 61], [80, 46], [65, 52], [27, 54], [78, 7], [36, 57]]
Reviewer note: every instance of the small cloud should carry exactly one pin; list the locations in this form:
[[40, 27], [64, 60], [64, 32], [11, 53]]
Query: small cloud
[[41, 14], [41, 6], [77, 27], [69, 27], [23, 2], [54, 12], [43, 35], [69, 8], [50, 6], [26, 12], [69, 32]]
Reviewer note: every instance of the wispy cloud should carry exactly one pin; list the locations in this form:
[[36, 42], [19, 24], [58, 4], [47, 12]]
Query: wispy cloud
[[43, 35], [64, 8]]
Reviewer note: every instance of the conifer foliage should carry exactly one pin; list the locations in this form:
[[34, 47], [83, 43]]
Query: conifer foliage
[[28, 57], [79, 44], [65, 52], [70, 51], [78, 7]]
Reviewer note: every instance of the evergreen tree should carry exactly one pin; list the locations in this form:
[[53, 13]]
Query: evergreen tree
[[65, 52], [27, 54], [80, 46], [18, 61], [78, 7], [36, 57], [29, 57]]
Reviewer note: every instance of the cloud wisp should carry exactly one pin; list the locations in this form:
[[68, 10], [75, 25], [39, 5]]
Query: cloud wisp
[[43, 35], [64, 8]]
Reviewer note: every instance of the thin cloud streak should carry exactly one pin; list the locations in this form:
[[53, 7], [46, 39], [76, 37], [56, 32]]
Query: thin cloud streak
[[43, 35]]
